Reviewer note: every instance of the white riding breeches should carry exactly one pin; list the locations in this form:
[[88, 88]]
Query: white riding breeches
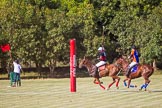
[[132, 64], [100, 63]]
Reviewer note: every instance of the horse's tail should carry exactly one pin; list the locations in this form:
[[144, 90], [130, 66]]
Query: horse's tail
[[153, 69], [149, 69]]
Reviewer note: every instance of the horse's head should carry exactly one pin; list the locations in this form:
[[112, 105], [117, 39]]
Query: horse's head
[[82, 62], [86, 61], [120, 61]]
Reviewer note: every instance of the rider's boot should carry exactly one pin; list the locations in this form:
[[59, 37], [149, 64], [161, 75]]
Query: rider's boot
[[96, 72], [128, 72]]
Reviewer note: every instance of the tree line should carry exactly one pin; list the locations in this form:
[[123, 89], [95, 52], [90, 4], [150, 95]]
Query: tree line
[[39, 31]]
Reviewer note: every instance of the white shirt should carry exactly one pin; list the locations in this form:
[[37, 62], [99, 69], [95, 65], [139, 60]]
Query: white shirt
[[17, 67]]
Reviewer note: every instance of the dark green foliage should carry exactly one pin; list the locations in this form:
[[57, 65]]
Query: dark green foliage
[[39, 30]]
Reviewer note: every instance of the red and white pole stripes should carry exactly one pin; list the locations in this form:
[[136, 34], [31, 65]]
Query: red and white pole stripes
[[73, 65]]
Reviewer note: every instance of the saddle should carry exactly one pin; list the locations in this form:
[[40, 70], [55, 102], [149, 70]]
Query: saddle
[[134, 68], [93, 71], [102, 67]]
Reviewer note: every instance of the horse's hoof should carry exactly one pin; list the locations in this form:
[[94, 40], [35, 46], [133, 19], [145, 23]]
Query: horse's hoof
[[135, 86], [117, 87], [107, 89], [140, 89], [101, 82]]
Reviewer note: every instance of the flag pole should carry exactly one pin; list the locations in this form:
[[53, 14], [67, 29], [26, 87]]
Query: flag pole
[[10, 54]]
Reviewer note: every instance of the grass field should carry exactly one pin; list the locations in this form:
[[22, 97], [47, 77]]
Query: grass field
[[55, 93]]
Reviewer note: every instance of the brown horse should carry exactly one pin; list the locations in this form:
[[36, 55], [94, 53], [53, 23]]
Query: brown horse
[[110, 70], [144, 71]]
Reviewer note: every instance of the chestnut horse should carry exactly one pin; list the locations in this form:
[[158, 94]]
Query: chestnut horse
[[110, 70], [144, 71]]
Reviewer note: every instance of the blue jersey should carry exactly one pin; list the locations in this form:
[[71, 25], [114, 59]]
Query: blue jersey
[[134, 55]]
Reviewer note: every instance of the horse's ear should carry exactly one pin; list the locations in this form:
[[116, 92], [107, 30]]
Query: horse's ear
[[124, 56]]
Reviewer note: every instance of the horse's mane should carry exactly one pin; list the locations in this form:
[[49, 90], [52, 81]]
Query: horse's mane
[[119, 56], [90, 59]]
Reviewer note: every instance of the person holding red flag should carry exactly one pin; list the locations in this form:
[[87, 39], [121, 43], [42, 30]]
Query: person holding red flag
[[17, 66]]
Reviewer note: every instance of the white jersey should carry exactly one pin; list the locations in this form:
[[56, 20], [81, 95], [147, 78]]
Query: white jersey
[[17, 67], [100, 63], [132, 64]]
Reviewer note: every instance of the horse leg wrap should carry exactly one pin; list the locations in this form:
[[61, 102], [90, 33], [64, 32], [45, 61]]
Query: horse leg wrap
[[132, 86], [111, 84], [129, 81], [146, 85], [142, 86], [117, 83], [102, 87], [96, 82], [125, 84]]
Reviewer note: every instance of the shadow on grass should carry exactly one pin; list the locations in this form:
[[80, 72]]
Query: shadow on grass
[[134, 91]]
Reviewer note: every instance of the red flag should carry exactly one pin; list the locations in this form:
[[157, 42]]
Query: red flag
[[5, 47]]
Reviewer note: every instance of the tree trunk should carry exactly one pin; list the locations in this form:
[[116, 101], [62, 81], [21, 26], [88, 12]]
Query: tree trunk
[[39, 67], [52, 65]]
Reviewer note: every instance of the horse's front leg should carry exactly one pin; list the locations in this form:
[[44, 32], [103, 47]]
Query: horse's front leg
[[129, 81], [117, 83], [125, 83], [114, 80], [94, 81], [97, 79], [111, 84]]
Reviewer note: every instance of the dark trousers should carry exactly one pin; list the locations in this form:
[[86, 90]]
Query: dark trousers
[[17, 77]]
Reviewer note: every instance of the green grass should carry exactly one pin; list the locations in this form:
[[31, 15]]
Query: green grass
[[26, 75], [55, 93], [157, 72]]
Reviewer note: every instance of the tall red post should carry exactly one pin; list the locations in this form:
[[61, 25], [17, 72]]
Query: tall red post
[[72, 65]]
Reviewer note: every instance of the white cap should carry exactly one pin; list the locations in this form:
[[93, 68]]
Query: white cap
[[100, 48]]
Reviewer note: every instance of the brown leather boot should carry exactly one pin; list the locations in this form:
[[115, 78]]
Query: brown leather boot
[[128, 72]]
